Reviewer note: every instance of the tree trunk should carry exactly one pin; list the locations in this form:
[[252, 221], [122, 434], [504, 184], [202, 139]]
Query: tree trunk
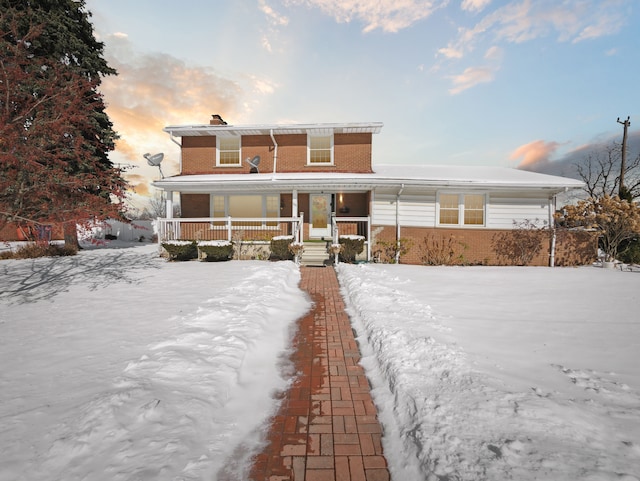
[[71, 235]]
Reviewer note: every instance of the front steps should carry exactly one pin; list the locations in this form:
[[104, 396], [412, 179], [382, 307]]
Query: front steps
[[316, 254]]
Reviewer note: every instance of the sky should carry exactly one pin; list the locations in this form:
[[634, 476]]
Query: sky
[[472, 82]]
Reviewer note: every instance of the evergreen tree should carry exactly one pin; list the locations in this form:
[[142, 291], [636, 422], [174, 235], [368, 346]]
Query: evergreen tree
[[53, 117]]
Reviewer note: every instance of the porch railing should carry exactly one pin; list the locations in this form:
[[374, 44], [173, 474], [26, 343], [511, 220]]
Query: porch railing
[[256, 228], [230, 228], [360, 226]]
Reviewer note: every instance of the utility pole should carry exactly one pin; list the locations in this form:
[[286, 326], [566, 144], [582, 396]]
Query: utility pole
[[621, 190]]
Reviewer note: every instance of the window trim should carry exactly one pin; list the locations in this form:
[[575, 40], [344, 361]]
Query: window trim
[[218, 150], [461, 209], [331, 150]]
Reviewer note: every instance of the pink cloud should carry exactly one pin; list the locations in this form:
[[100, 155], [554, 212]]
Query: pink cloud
[[534, 153]]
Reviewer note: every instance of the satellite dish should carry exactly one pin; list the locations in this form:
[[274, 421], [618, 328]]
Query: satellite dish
[[254, 164], [154, 161]]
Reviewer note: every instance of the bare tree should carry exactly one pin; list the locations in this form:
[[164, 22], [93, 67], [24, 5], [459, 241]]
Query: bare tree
[[600, 171]]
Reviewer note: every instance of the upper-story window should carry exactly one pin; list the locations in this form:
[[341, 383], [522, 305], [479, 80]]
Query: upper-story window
[[320, 150], [228, 151], [461, 209]]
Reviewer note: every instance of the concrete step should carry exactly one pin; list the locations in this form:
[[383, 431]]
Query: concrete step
[[315, 254]]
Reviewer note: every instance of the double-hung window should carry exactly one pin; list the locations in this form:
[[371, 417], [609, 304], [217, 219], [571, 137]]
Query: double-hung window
[[461, 209], [320, 149], [228, 151]]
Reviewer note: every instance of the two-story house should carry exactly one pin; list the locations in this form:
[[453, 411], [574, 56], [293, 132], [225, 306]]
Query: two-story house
[[311, 180]]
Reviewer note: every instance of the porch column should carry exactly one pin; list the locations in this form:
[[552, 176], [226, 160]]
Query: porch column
[[294, 203], [169, 204]]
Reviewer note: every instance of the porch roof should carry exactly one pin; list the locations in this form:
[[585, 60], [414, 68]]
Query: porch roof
[[276, 129], [384, 176]]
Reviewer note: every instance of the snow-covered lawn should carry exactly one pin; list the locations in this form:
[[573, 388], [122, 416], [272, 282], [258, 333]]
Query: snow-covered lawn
[[117, 365], [496, 373]]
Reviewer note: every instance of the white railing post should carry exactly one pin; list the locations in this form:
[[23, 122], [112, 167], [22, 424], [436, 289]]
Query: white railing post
[[229, 229], [301, 227], [368, 238]]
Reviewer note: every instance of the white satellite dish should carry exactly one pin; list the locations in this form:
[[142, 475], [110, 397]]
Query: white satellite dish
[[154, 161], [254, 164]]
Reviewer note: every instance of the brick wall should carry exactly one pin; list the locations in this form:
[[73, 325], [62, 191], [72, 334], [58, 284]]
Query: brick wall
[[195, 205], [486, 246], [352, 153]]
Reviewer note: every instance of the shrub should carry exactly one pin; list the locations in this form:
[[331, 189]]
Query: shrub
[[296, 248], [215, 251], [31, 251], [180, 250], [280, 248], [386, 251], [630, 251], [442, 251], [520, 245], [352, 245]]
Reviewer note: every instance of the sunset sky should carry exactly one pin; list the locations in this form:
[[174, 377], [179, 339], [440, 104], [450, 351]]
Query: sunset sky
[[471, 82]]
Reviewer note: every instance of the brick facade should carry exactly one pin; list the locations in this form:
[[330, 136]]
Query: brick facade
[[483, 246], [352, 154]]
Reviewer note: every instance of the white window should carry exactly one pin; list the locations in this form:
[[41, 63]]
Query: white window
[[228, 151], [320, 150], [461, 209]]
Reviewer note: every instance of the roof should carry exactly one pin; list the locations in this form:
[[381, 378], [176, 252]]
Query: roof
[[277, 129], [391, 175]]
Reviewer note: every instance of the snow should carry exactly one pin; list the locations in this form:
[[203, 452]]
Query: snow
[[502, 373], [118, 365]]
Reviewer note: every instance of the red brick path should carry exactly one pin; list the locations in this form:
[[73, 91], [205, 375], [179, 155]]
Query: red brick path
[[326, 428]]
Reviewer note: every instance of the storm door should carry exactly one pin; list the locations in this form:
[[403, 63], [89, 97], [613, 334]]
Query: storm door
[[320, 221]]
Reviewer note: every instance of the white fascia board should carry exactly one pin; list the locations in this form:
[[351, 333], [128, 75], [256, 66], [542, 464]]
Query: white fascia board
[[278, 129], [352, 182]]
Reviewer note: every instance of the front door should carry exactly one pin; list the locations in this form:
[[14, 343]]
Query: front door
[[320, 221]]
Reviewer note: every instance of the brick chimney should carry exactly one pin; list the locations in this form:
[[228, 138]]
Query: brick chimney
[[216, 120]]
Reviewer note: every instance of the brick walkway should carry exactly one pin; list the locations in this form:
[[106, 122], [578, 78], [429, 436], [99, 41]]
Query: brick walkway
[[327, 428]]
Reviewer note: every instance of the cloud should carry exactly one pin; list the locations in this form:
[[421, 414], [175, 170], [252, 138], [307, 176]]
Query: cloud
[[274, 17], [534, 153], [566, 164], [154, 90], [474, 5], [386, 15], [471, 77], [526, 20]]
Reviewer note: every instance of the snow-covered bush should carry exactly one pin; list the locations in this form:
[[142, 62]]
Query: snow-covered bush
[[179, 250], [280, 247], [214, 251], [352, 245]]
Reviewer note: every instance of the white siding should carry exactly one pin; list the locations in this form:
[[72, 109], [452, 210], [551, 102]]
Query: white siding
[[383, 210], [502, 211], [415, 210]]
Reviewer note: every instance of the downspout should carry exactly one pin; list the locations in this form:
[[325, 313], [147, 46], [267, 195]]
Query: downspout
[[173, 139], [552, 226], [275, 151], [398, 223]]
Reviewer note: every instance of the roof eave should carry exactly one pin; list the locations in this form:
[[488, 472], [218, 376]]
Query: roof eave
[[277, 129]]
